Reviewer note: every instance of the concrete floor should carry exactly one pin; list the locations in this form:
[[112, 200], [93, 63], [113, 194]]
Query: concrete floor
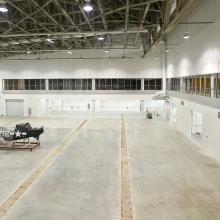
[[170, 178]]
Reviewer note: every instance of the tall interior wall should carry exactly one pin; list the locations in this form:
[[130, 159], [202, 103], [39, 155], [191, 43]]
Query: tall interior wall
[[198, 55], [45, 102]]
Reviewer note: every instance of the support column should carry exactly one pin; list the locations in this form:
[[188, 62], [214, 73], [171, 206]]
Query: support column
[[142, 84], [93, 85], [213, 86], [46, 84], [181, 85], [141, 105], [164, 66]]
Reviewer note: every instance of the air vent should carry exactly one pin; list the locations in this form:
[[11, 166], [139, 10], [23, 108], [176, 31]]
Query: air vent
[[182, 102]]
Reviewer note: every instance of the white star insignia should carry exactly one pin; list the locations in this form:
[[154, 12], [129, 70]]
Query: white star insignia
[[17, 134]]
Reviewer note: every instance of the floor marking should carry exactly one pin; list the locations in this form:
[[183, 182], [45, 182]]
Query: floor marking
[[126, 205], [5, 206]]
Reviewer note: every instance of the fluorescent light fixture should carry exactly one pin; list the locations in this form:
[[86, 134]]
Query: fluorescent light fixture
[[50, 40], [101, 38], [24, 41], [107, 51], [3, 8], [87, 7], [35, 40], [69, 52], [13, 42], [2, 44], [186, 35]]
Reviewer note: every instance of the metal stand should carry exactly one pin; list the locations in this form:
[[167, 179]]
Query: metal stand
[[24, 144]]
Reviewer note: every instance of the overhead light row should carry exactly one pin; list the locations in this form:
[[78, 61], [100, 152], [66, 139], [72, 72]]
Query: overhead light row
[[87, 6]]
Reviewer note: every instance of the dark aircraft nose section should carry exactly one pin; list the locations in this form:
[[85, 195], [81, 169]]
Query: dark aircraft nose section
[[26, 131]]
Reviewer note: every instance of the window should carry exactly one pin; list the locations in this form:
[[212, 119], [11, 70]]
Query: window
[[173, 84], [208, 85], [24, 84], [118, 84], [70, 84], [152, 84], [217, 85]]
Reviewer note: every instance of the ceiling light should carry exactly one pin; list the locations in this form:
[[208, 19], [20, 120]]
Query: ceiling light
[[28, 52], [13, 42], [3, 8], [156, 58], [100, 38], [69, 52], [24, 41], [107, 51], [50, 40], [186, 35], [35, 40], [167, 50], [87, 7], [2, 44]]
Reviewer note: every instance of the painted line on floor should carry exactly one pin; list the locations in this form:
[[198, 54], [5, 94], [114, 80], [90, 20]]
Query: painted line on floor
[[5, 206], [126, 204]]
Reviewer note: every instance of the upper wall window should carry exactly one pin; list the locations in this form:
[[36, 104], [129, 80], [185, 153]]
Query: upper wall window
[[152, 84], [24, 84], [70, 84], [118, 84]]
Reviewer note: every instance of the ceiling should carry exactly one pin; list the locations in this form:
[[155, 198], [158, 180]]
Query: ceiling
[[39, 26]]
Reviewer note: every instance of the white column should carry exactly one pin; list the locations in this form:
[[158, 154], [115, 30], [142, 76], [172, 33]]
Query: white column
[[142, 84], [164, 65], [181, 85], [46, 84], [141, 105], [2, 86], [93, 84], [212, 86]]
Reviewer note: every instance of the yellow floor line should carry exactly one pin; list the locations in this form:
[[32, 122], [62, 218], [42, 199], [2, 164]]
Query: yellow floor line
[[5, 206], [126, 205]]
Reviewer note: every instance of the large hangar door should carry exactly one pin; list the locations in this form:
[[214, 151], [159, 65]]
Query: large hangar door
[[14, 107]]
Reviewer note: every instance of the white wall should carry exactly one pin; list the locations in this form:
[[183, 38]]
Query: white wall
[[42, 104], [70, 68], [201, 53], [198, 55], [87, 68], [210, 138]]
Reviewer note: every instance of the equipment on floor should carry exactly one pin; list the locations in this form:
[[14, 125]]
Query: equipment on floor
[[149, 115], [19, 137]]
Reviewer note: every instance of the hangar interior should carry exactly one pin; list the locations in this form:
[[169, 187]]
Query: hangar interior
[[128, 94]]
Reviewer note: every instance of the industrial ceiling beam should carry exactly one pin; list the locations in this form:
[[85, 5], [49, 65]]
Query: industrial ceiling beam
[[25, 18], [142, 21], [184, 11], [104, 21], [78, 34], [45, 13], [65, 21], [72, 22], [126, 22]]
